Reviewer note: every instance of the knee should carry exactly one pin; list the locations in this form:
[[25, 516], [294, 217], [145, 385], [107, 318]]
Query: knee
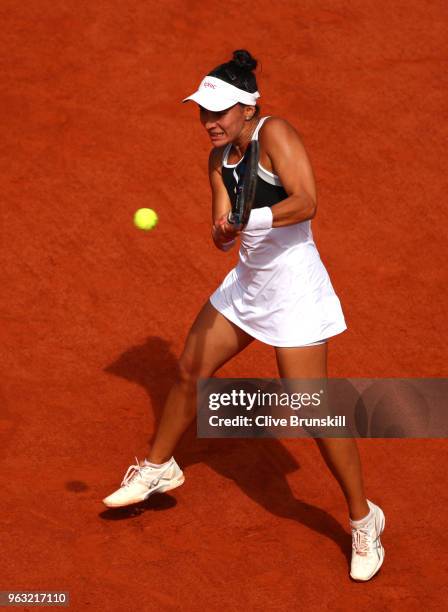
[[188, 372]]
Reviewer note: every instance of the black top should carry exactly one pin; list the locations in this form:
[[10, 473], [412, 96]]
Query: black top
[[265, 193]]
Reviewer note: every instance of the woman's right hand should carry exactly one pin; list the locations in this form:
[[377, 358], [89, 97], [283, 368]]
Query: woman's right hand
[[224, 233]]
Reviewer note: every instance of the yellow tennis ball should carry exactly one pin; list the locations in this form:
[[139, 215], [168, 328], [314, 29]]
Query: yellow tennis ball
[[145, 218]]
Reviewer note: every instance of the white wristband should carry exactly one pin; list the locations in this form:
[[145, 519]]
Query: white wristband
[[260, 219], [226, 246]]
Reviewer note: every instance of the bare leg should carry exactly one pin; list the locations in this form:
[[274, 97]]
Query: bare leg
[[340, 454], [212, 341]]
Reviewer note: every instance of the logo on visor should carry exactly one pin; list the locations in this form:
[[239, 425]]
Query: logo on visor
[[208, 84]]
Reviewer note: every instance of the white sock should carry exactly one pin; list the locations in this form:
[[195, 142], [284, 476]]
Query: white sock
[[363, 521], [156, 465]]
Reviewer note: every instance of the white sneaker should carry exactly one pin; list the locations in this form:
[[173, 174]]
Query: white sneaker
[[142, 480], [367, 551]]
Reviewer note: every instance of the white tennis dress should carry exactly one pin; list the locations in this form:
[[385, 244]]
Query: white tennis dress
[[279, 292]]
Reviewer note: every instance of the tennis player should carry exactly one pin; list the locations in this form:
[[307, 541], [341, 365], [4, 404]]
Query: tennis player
[[279, 293]]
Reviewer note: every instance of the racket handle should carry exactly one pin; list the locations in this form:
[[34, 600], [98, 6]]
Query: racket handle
[[232, 219]]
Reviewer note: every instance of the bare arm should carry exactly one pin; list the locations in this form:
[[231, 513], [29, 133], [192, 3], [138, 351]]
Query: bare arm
[[290, 162], [220, 198], [223, 235]]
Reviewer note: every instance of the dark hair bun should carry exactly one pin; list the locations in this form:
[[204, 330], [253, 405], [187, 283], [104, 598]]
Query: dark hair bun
[[244, 60], [239, 71]]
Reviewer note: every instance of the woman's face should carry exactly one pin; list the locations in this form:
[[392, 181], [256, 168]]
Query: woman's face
[[223, 126]]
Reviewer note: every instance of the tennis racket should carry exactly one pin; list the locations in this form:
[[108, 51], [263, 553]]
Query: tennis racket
[[247, 172]]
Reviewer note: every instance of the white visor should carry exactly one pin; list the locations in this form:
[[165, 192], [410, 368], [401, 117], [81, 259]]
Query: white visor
[[217, 95]]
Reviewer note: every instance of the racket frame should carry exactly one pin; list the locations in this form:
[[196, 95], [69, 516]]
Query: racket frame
[[246, 186]]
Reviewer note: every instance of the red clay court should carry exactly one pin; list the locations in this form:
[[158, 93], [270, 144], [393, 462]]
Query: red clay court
[[94, 313]]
